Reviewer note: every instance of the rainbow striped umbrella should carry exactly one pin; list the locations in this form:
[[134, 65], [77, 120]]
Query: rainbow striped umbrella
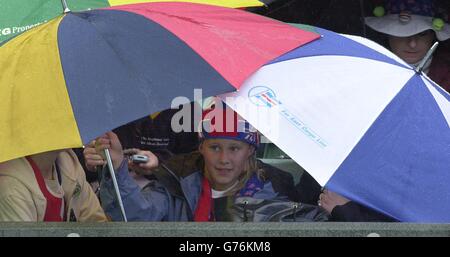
[[20, 15], [81, 74]]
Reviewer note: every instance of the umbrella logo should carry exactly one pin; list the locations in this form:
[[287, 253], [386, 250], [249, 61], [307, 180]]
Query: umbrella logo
[[263, 96], [14, 30]]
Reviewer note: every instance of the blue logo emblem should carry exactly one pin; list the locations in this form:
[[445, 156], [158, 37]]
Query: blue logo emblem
[[263, 96], [266, 97]]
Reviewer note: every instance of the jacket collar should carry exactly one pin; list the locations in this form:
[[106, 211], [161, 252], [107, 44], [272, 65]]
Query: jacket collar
[[191, 187]]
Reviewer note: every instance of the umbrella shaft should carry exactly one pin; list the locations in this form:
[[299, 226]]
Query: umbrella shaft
[[427, 57], [116, 187], [65, 7]]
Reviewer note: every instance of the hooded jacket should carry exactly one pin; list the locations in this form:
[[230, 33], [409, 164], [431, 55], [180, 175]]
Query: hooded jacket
[[22, 200]]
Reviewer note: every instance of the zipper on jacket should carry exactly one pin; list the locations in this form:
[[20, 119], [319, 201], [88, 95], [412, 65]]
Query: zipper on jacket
[[245, 210]]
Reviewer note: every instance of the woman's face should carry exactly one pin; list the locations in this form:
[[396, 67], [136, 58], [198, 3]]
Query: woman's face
[[412, 49], [225, 160]]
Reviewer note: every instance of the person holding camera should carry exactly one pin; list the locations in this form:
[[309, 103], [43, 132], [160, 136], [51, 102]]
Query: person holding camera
[[194, 187], [151, 133]]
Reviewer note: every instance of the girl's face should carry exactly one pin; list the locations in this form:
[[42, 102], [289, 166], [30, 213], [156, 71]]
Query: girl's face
[[225, 161], [412, 49]]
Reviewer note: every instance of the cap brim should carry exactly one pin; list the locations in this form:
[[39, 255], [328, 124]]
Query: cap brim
[[391, 25]]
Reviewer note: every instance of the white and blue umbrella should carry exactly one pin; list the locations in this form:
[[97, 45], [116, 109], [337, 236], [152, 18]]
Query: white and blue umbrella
[[361, 121]]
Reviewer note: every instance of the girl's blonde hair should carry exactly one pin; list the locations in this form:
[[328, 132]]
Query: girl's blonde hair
[[251, 167]]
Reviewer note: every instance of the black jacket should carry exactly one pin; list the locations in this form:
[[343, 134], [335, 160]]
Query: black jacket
[[154, 134], [354, 212]]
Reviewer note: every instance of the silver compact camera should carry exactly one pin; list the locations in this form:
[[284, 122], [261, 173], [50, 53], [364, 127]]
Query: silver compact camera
[[137, 158]]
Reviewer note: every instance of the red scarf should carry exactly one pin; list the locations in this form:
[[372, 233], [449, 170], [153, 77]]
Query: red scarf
[[54, 204], [204, 211]]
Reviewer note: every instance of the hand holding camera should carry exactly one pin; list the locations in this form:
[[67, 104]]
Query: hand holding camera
[[141, 162]]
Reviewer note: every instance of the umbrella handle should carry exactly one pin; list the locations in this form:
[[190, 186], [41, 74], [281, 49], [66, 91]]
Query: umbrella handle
[[116, 187]]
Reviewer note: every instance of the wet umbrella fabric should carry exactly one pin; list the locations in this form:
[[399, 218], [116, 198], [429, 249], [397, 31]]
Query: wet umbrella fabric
[[21, 15], [70, 80], [362, 122]]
